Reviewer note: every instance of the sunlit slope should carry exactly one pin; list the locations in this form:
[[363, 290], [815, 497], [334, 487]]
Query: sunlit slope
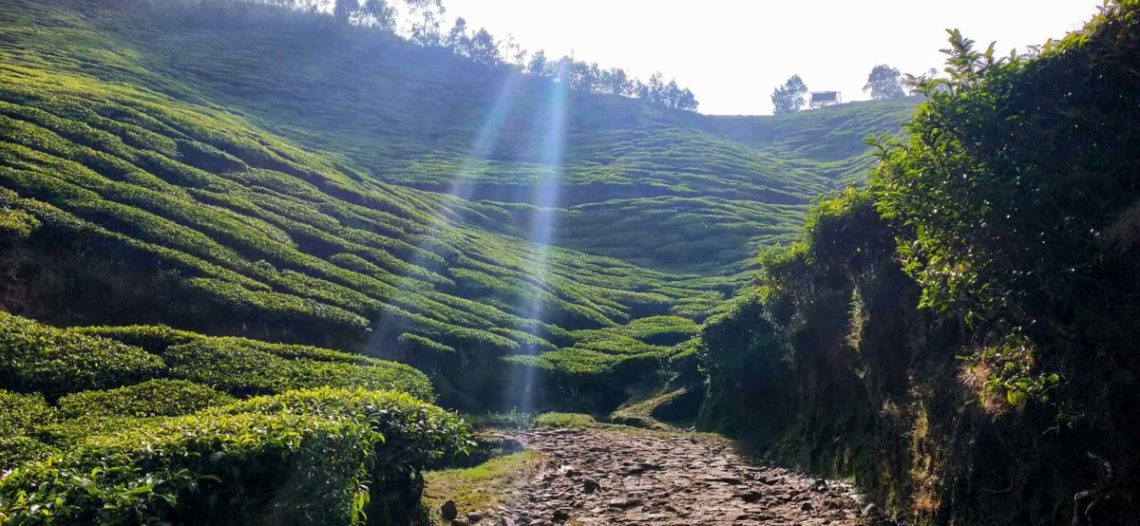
[[424, 118], [262, 173], [150, 208]]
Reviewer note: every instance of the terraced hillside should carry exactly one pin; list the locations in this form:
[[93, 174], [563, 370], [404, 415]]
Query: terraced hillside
[[259, 172]]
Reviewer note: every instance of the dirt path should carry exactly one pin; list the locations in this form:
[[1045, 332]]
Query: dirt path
[[609, 476]]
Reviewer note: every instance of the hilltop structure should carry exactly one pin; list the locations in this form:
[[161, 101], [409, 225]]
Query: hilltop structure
[[820, 99]]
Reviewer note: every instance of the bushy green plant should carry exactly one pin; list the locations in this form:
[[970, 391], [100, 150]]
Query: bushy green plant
[[409, 434], [36, 357], [242, 370], [221, 469], [18, 449], [151, 398], [1015, 189], [20, 413], [152, 338]]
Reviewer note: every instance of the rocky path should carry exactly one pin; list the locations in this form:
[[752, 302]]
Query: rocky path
[[611, 476]]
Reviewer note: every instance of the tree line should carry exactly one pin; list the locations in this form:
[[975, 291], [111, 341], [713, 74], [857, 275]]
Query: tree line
[[419, 21], [884, 82]]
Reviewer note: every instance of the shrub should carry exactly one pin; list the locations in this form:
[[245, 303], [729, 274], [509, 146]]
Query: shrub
[[15, 450], [243, 370], [67, 433], [411, 434], [19, 413], [152, 398], [221, 469], [35, 357], [151, 338]]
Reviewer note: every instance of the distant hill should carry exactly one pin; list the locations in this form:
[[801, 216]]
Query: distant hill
[[262, 173]]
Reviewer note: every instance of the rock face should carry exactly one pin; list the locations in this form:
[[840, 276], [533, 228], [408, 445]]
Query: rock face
[[606, 476]]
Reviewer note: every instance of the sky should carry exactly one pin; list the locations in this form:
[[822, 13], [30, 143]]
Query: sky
[[732, 53]]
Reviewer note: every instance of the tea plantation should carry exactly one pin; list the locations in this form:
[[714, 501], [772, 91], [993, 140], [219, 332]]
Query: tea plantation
[[230, 220]]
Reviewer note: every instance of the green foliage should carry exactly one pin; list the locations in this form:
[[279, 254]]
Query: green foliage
[[789, 98], [1008, 369], [412, 432], [39, 358], [152, 338], [194, 180], [20, 413], [242, 369], [884, 82], [1009, 220], [16, 224], [565, 420], [221, 469], [968, 318], [151, 398], [325, 456]]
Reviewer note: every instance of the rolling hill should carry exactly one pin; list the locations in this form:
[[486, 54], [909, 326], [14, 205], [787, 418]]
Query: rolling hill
[[253, 171]]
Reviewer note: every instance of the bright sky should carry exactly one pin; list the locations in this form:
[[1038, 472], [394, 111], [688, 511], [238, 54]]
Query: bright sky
[[732, 53]]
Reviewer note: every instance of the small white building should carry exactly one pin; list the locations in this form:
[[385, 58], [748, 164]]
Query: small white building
[[820, 99]]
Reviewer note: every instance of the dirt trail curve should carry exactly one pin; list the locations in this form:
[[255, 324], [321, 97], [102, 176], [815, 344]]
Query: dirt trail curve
[[611, 476]]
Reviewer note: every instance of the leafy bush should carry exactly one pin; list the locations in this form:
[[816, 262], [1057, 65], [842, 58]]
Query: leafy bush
[[151, 338], [220, 469], [20, 413], [409, 434], [242, 370], [35, 357], [18, 449], [414, 431], [151, 398], [67, 433]]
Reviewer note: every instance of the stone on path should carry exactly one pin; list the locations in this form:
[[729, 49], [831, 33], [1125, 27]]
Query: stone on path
[[622, 477], [448, 510]]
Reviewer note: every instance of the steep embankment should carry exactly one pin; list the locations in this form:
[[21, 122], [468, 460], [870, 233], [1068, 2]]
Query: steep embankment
[[960, 336], [255, 171]]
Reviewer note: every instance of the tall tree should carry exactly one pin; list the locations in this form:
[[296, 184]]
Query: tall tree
[[686, 100], [538, 65], [884, 82], [344, 9], [457, 38], [616, 82], [483, 48], [380, 14], [425, 16], [789, 98]]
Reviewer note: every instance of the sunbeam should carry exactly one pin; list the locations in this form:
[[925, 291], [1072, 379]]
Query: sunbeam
[[382, 341], [521, 388]]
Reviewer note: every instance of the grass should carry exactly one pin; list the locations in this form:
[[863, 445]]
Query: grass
[[565, 420], [640, 413], [482, 487]]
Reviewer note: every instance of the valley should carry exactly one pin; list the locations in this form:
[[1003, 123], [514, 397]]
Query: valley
[[285, 262]]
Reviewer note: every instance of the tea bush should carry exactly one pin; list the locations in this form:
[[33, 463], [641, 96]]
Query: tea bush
[[409, 434], [20, 413], [243, 370], [40, 358], [222, 469], [151, 338], [152, 398]]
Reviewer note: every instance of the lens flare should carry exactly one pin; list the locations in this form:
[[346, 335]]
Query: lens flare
[[522, 388], [382, 341]]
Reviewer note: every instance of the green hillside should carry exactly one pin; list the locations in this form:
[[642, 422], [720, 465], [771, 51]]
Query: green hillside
[[261, 172], [958, 336]]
